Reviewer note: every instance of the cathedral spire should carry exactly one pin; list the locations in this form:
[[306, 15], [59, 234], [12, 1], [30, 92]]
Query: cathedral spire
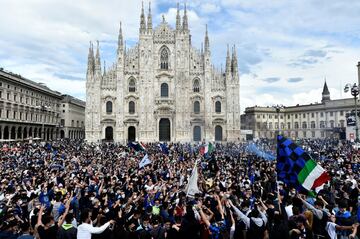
[[178, 19], [358, 67], [185, 20], [234, 63], [207, 44], [93, 57], [90, 66], [120, 40], [104, 68], [149, 22], [142, 20], [97, 60], [228, 62]]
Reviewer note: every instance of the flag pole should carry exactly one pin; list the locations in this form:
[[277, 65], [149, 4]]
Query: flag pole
[[277, 155]]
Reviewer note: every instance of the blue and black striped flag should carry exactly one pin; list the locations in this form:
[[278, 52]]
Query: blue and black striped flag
[[296, 168]]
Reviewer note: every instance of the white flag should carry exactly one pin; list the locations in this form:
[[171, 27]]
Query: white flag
[[192, 187], [145, 161]]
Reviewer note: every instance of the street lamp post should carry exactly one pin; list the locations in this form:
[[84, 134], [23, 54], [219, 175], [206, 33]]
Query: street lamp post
[[354, 92], [42, 108], [278, 109]]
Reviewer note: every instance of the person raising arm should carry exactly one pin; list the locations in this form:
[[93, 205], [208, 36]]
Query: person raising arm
[[86, 228]]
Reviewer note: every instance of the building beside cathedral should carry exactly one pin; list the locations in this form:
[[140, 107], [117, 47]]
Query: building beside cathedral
[[72, 116], [31, 110], [162, 89], [327, 119]]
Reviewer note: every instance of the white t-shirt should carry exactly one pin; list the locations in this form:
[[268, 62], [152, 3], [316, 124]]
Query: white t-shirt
[[288, 210], [85, 230], [331, 229]]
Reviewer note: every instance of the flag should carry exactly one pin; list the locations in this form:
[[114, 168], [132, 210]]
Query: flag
[[145, 161], [143, 145], [295, 167], [192, 187], [164, 149], [136, 146], [206, 149], [54, 153], [252, 148]]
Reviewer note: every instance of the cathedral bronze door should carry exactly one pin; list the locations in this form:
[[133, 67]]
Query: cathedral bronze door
[[197, 133], [109, 133], [131, 133], [164, 130], [218, 133]]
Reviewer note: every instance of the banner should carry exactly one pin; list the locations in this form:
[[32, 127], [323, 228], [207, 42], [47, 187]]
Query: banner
[[192, 187], [145, 161]]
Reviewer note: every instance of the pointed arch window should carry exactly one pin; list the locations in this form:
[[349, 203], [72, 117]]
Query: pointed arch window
[[164, 90], [131, 107], [164, 59], [218, 107], [196, 107], [196, 86], [109, 107], [132, 85]]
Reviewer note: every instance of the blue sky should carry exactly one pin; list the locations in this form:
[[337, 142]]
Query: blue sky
[[285, 48]]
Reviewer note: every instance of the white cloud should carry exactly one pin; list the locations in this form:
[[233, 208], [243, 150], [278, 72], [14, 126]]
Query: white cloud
[[44, 39], [50, 80], [208, 8]]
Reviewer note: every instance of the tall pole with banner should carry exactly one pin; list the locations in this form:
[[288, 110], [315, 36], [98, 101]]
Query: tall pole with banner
[[354, 92]]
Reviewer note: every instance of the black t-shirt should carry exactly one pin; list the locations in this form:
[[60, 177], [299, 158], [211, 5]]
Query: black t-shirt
[[158, 232], [143, 234], [104, 235], [304, 234], [48, 233], [174, 234]]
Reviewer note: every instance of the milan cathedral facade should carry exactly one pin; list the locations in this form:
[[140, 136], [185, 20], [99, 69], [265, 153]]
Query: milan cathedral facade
[[162, 89]]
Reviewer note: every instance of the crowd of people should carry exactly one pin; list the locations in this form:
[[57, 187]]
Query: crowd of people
[[70, 189]]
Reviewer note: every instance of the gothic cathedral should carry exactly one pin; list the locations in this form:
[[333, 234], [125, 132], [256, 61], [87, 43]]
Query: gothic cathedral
[[162, 89]]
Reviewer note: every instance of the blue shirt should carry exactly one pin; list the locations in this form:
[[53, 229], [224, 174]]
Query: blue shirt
[[216, 230], [44, 199], [26, 236]]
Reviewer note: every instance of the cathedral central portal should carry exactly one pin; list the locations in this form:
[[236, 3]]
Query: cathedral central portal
[[109, 135], [164, 129], [131, 133]]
